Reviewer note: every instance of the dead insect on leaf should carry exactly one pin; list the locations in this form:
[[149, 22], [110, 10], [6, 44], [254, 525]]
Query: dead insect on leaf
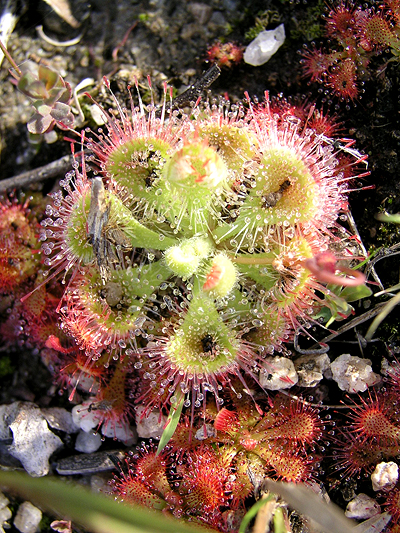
[[102, 235], [272, 198]]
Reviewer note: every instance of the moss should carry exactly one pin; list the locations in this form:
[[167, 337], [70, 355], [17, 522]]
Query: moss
[[6, 367], [309, 27], [45, 522], [262, 21], [144, 17]]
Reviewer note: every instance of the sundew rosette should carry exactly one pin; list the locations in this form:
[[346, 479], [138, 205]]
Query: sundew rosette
[[194, 242], [292, 181]]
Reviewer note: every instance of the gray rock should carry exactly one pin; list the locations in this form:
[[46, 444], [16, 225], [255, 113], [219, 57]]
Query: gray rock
[[60, 419], [200, 12], [27, 518], [362, 507], [7, 417], [33, 442], [311, 368]]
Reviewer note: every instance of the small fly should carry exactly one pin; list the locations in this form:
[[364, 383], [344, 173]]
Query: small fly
[[102, 235]]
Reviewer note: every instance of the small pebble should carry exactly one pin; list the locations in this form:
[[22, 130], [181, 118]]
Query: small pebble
[[120, 431], [353, 374], [5, 512], [385, 476], [33, 442], [60, 419], [362, 507], [311, 368], [83, 418], [200, 12], [87, 442], [151, 426], [278, 373], [204, 432], [28, 518], [264, 46], [100, 483]]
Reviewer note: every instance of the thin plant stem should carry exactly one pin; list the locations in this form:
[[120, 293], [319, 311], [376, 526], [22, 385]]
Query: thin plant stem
[[10, 59]]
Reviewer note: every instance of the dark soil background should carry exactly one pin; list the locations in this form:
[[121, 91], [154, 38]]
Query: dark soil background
[[169, 43]]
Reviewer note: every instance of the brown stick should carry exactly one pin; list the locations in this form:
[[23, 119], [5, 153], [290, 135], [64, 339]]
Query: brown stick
[[56, 168]]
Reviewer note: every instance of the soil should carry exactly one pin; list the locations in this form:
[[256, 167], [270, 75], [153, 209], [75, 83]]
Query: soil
[[168, 43]]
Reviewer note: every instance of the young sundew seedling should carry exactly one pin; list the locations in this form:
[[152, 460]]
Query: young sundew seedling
[[192, 252], [19, 247]]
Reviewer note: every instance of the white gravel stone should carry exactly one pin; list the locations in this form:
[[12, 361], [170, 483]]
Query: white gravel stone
[[149, 427], [33, 442], [87, 442], [385, 476], [5, 512], [278, 373], [97, 115], [120, 431], [84, 419], [311, 368], [264, 46], [89, 420], [353, 374], [60, 419], [362, 507], [27, 518]]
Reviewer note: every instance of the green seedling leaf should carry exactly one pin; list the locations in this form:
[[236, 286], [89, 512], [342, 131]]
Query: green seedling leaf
[[93, 511], [385, 217], [48, 76], [39, 124], [328, 517], [252, 512], [337, 306], [66, 95], [172, 422], [352, 294], [66, 122], [279, 522], [42, 108], [25, 82], [55, 96], [34, 89], [60, 111]]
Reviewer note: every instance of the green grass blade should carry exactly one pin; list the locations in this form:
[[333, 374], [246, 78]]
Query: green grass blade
[[172, 422], [390, 305], [96, 512], [328, 517]]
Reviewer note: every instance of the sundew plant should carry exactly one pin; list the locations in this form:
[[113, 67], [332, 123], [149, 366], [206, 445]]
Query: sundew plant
[[191, 247], [201, 244]]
